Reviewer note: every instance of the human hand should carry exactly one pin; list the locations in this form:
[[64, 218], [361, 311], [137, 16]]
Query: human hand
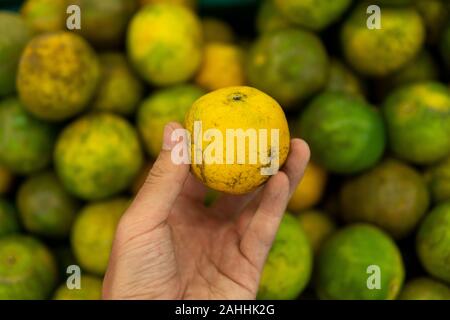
[[168, 245]]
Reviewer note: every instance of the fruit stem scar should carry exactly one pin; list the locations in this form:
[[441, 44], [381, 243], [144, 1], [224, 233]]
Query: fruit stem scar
[[237, 96]]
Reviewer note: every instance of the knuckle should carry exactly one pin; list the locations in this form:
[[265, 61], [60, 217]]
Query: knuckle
[[156, 173]]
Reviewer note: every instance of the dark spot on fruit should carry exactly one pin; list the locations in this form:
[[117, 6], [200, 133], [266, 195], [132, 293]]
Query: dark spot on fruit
[[237, 96]]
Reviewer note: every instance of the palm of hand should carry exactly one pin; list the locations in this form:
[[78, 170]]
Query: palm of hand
[[174, 247], [208, 256], [195, 255]]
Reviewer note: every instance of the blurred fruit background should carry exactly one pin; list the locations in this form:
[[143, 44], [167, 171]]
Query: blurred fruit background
[[81, 118]]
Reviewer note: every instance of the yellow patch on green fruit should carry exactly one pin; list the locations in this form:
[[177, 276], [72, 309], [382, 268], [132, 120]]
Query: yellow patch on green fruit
[[165, 43]]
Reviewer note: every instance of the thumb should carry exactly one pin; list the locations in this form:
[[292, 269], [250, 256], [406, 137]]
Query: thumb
[[164, 182]]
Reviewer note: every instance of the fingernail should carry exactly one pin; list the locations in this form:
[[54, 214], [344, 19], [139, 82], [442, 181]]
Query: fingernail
[[168, 144]]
